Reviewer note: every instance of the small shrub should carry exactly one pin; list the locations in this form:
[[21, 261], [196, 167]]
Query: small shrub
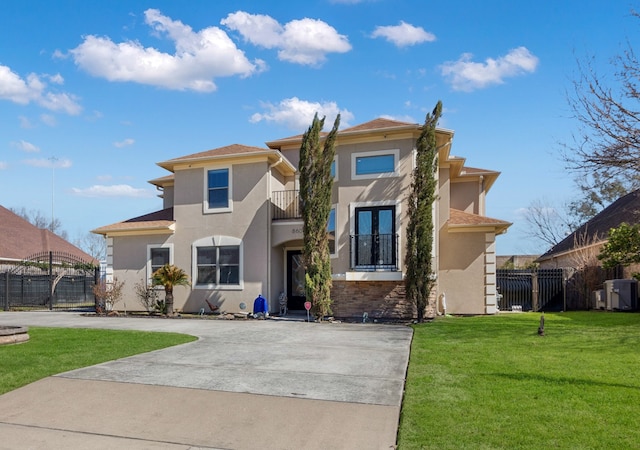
[[147, 296], [107, 294]]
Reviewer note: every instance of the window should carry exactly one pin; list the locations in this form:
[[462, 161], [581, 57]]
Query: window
[[334, 168], [217, 263], [378, 164], [158, 256], [375, 237], [331, 231], [218, 190]]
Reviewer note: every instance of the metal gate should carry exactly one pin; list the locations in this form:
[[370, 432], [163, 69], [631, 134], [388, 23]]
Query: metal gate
[[531, 289], [49, 280]]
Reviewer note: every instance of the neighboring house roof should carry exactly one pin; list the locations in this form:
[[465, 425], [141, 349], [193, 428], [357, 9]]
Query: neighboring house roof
[[158, 221], [464, 221], [624, 210], [20, 239], [227, 152]]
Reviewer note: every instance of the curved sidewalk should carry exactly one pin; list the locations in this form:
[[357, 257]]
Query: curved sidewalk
[[243, 385]]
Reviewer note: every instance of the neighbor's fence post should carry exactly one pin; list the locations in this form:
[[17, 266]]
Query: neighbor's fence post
[[50, 281], [6, 291], [534, 290]]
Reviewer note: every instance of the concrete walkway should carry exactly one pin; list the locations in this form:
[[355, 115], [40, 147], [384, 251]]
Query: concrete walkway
[[265, 384]]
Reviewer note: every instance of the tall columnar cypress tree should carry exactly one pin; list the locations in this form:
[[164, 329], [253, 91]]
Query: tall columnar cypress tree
[[420, 277], [315, 193]]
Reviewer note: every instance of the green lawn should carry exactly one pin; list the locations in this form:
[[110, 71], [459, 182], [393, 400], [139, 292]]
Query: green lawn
[[54, 350], [493, 383]]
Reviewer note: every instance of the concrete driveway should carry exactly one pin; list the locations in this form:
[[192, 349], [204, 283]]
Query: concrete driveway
[[267, 384]]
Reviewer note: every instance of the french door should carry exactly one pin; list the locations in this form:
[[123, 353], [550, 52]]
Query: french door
[[375, 239]]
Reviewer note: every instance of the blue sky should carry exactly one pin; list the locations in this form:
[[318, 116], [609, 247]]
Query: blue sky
[[93, 94]]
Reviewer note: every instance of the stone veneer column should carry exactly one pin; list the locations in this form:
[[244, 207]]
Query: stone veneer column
[[490, 291]]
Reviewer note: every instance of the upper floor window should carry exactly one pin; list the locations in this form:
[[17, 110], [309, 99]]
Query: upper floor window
[[334, 168], [378, 164], [217, 190], [331, 231]]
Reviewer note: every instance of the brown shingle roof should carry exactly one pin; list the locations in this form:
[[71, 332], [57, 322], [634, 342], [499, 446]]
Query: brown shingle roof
[[158, 220], [233, 149], [19, 239], [624, 210], [461, 219], [377, 124]]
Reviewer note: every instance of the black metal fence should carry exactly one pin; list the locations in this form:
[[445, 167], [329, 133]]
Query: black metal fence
[[48, 281], [531, 289], [374, 252]]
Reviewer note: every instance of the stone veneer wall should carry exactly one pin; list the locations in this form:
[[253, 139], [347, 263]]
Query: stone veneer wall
[[379, 299]]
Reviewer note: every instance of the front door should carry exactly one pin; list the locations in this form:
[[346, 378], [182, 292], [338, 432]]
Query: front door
[[295, 280]]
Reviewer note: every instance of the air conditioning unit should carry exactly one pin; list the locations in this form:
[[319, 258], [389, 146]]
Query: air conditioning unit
[[621, 295], [598, 299]]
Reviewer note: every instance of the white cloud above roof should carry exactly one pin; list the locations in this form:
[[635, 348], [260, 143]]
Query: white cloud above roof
[[404, 34], [116, 190], [298, 114], [467, 75], [124, 143], [25, 146], [199, 57], [304, 41], [33, 89]]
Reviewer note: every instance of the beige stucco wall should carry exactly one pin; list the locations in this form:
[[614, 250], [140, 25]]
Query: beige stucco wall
[[167, 197], [353, 193], [462, 272], [130, 265], [465, 196], [249, 221]]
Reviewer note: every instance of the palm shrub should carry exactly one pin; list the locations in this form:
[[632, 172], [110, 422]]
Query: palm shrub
[[169, 276]]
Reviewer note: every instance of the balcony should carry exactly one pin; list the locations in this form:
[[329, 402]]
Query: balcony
[[286, 205], [374, 252]]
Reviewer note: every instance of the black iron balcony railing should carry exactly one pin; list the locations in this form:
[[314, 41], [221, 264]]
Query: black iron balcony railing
[[369, 252], [286, 205]]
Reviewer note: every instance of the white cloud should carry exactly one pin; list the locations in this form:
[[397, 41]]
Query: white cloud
[[403, 34], [56, 79], [25, 146], [34, 89], [298, 114], [3, 165], [25, 122], [199, 57], [48, 163], [124, 143], [305, 41], [48, 119], [116, 190], [466, 75], [104, 178]]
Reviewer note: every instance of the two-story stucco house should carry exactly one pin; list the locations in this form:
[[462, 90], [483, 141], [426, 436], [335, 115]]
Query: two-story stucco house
[[231, 220]]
